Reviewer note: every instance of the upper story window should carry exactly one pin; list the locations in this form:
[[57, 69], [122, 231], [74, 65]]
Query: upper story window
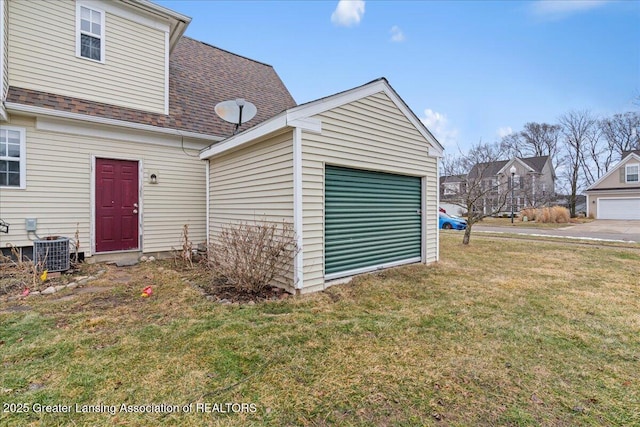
[[12, 157], [632, 173], [90, 33]]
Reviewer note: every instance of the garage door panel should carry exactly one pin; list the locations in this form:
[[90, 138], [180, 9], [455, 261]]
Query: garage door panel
[[371, 219], [619, 208]]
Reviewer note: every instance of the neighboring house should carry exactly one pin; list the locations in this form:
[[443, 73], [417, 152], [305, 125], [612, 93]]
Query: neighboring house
[[107, 129], [533, 183], [451, 186], [616, 195]]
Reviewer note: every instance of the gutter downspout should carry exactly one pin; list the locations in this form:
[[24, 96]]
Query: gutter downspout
[[207, 173], [298, 275]]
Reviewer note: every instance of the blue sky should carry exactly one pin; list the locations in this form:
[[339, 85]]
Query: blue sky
[[470, 70]]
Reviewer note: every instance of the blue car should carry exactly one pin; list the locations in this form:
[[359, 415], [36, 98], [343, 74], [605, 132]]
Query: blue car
[[449, 222]]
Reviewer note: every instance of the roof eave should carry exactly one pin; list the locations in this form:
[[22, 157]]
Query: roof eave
[[178, 22], [504, 168], [612, 170], [294, 115], [15, 107]]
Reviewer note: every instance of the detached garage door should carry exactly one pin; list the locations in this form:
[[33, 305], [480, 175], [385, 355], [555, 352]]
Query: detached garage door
[[619, 208], [372, 220]]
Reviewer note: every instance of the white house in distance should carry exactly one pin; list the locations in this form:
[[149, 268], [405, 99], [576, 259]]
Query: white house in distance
[[107, 128], [616, 195]]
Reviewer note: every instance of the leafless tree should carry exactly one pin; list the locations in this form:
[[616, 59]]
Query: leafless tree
[[596, 156], [577, 129], [481, 184], [535, 139], [621, 132]]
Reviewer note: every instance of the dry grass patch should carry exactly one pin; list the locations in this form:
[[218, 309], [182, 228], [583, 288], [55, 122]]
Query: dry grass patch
[[498, 333]]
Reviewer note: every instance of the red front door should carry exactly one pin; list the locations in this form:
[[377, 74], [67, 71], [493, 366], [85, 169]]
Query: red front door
[[116, 205]]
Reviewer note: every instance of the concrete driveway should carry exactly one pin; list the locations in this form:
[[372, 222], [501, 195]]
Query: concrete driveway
[[616, 230]]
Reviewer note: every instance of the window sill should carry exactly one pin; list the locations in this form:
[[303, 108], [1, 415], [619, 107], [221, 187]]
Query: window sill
[[90, 60]]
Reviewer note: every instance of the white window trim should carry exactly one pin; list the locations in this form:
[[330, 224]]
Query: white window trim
[[626, 173], [103, 40], [23, 158]]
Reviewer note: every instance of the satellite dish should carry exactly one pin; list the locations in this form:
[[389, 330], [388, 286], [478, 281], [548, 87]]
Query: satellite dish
[[236, 111]]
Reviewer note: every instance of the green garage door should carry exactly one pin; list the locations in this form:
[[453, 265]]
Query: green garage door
[[372, 219]]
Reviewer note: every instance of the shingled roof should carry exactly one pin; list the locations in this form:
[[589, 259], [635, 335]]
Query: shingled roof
[[200, 76], [490, 169]]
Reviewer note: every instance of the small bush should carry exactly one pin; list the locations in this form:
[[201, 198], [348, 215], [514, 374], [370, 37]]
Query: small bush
[[249, 256]]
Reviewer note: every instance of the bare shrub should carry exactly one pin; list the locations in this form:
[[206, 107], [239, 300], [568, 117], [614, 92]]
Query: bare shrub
[[249, 256], [184, 256], [17, 274]]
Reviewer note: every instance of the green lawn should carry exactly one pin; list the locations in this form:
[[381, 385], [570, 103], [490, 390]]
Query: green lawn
[[498, 333]]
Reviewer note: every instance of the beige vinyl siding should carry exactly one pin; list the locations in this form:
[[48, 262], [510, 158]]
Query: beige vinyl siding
[[618, 178], [58, 192], [373, 134], [254, 183], [42, 52]]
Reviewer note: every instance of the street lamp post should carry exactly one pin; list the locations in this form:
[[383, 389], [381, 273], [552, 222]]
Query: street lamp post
[[513, 174]]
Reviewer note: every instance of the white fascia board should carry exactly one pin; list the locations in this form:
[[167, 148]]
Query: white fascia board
[[117, 9], [325, 104], [438, 149], [309, 124], [620, 164], [40, 111], [272, 125], [178, 22], [74, 127], [436, 152], [320, 106], [302, 116]]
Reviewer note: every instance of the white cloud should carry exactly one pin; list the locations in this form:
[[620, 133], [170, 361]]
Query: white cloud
[[558, 9], [504, 131], [438, 125], [396, 34], [348, 13]]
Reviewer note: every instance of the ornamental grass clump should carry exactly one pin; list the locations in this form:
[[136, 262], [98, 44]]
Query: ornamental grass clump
[[555, 214]]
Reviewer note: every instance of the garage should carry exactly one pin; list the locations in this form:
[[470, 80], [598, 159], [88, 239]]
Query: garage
[[619, 208], [372, 220], [355, 176]]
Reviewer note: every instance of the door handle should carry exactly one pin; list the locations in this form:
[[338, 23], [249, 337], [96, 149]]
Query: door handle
[[135, 205], [135, 211]]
